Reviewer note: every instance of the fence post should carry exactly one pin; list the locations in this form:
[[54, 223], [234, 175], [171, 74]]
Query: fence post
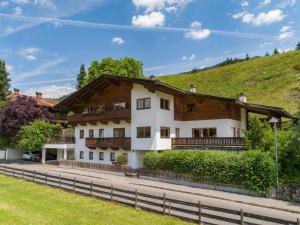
[[164, 203], [59, 180], [46, 178], [74, 183], [136, 198], [111, 192], [13, 172], [242, 217], [33, 176], [298, 221], [169, 207], [91, 188], [5, 169], [199, 213], [23, 173]]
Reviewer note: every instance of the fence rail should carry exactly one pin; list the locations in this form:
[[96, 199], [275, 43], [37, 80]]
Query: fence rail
[[191, 211]]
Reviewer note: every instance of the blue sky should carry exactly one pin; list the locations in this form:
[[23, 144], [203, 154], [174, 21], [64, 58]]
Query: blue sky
[[44, 42]]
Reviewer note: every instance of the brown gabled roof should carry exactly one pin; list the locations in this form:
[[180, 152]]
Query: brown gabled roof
[[105, 80], [40, 101]]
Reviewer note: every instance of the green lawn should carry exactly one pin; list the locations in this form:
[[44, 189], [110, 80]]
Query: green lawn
[[25, 203]]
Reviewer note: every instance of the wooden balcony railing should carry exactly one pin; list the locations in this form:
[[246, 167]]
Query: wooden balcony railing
[[61, 140], [104, 143], [124, 114], [212, 141]]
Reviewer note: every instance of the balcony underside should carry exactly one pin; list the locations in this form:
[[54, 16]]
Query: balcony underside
[[209, 143], [106, 143], [102, 117]]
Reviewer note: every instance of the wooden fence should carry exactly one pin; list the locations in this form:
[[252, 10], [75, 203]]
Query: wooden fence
[[191, 211]]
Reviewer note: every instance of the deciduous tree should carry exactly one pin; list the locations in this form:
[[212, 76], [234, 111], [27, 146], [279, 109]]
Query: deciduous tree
[[19, 113]]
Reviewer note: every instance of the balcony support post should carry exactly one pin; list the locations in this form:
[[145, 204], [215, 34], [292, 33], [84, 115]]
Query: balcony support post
[[65, 153], [44, 155]]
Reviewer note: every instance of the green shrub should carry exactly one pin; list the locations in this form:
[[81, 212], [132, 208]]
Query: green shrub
[[253, 170]]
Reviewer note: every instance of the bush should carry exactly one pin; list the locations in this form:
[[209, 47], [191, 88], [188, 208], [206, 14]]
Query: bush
[[122, 160], [253, 170]]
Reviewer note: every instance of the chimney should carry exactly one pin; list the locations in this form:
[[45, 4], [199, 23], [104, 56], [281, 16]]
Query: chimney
[[38, 95], [243, 97], [16, 91], [193, 88]]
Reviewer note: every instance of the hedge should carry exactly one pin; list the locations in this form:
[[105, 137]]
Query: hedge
[[254, 170]]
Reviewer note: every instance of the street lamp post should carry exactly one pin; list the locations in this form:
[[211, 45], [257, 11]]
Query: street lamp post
[[275, 121]]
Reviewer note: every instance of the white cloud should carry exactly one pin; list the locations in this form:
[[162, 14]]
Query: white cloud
[[45, 4], [189, 58], [285, 3], [262, 18], [9, 68], [198, 34], [154, 19], [29, 53], [244, 4], [170, 6], [51, 91], [4, 4], [286, 32], [264, 3], [20, 1], [195, 24], [17, 11], [265, 44], [118, 40]]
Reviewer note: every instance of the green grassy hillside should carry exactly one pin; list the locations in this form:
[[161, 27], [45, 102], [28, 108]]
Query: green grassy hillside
[[273, 80]]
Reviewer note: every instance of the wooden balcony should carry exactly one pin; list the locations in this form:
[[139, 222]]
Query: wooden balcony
[[102, 117], [61, 140], [105, 143], [218, 142]]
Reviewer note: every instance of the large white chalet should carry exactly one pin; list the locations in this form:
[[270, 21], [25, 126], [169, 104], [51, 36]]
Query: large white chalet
[[118, 115]]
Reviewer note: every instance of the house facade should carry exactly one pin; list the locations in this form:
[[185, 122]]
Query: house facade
[[117, 115]]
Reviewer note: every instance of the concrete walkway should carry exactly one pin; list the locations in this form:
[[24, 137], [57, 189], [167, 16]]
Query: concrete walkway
[[212, 197]]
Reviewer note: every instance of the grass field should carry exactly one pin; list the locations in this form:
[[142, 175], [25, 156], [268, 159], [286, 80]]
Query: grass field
[[273, 80], [25, 203]]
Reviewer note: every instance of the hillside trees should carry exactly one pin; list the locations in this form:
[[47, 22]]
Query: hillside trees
[[81, 76], [298, 46], [126, 66], [19, 113], [4, 83]]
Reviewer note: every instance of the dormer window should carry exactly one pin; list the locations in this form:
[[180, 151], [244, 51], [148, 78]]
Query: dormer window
[[119, 106], [89, 109], [191, 107]]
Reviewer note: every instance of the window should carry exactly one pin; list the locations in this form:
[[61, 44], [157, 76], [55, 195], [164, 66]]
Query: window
[[238, 132], [101, 156], [101, 108], [143, 132], [81, 134], [143, 103], [91, 155], [234, 132], [89, 109], [119, 106], [177, 132], [81, 154], [164, 104], [101, 133], [204, 132], [119, 132], [191, 107], [91, 133], [165, 132], [112, 157]]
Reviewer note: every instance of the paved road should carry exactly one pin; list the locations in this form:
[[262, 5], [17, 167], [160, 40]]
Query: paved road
[[262, 206]]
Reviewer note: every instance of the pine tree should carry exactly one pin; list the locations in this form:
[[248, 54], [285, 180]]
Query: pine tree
[[247, 57], [4, 83], [81, 77], [298, 46], [267, 54], [276, 52]]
